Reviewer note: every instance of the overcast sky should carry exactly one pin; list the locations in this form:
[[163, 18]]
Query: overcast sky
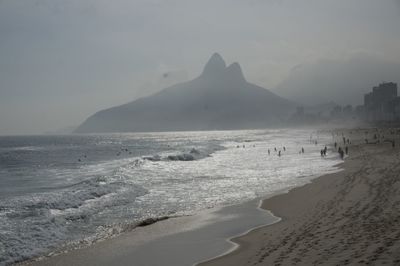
[[63, 60]]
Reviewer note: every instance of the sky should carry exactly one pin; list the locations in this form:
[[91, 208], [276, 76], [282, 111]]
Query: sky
[[63, 60]]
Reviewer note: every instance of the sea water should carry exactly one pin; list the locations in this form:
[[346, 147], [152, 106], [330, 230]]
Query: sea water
[[61, 192]]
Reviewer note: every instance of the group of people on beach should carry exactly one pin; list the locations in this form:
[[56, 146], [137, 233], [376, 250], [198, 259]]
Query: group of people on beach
[[323, 151], [346, 141], [276, 150], [342, 151], [377, 137]]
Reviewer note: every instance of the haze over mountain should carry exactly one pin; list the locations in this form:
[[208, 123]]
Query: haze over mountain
[[62, 61], [220, 98], [342, 81]]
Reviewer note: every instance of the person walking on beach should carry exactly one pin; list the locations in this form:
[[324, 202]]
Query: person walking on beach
[[302, 150], [269, 152]]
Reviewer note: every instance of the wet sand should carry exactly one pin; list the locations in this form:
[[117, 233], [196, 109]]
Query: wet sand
[[346, 218], [349, 217], [172, 242]]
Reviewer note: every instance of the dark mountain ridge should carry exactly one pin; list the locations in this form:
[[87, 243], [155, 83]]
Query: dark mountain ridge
[[220, 98]]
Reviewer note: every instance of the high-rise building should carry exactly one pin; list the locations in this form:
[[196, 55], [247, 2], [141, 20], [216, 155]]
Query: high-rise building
[[382, 103]]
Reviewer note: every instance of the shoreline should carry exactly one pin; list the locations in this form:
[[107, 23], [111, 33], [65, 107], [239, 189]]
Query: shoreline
[[197, 222], [79, 256], [166, 239], [236, 240], [348, 217]]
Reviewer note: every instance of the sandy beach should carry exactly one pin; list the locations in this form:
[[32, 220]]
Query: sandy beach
[[351, 217], [347, 218], [175, 241]]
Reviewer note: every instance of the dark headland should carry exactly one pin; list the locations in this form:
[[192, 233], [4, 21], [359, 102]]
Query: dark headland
[[220, 98]]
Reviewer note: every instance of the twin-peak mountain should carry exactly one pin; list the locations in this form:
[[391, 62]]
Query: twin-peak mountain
[[220, 98], [216, 67]]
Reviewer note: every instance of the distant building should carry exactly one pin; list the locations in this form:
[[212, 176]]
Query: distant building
[[382, 104], [336, 112], [347, 110], [360, 111]]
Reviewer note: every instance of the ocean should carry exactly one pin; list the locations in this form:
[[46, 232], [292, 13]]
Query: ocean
[[64, 192]]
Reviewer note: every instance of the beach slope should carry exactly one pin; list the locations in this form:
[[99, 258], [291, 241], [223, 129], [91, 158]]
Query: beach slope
[[349, 217]]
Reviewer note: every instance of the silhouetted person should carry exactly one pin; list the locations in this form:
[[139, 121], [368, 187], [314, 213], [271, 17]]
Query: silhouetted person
[[322, 153], [279, 153], [284, 148], [302, 150], [275, 148], [346, 150], [269, 152], [335, 145], [341, 153]]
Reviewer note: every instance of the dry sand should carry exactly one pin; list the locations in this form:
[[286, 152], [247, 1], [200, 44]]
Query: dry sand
[[350, 217], [347, 218]]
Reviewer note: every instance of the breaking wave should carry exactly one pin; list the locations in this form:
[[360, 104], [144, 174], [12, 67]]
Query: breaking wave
[[192, 155], [78, 213]]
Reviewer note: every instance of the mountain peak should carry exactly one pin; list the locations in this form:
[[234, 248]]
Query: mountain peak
[[218, 99], [235, 71], [215, 64]]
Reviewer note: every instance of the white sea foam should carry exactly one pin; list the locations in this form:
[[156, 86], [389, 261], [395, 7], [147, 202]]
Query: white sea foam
[[175, 174]]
